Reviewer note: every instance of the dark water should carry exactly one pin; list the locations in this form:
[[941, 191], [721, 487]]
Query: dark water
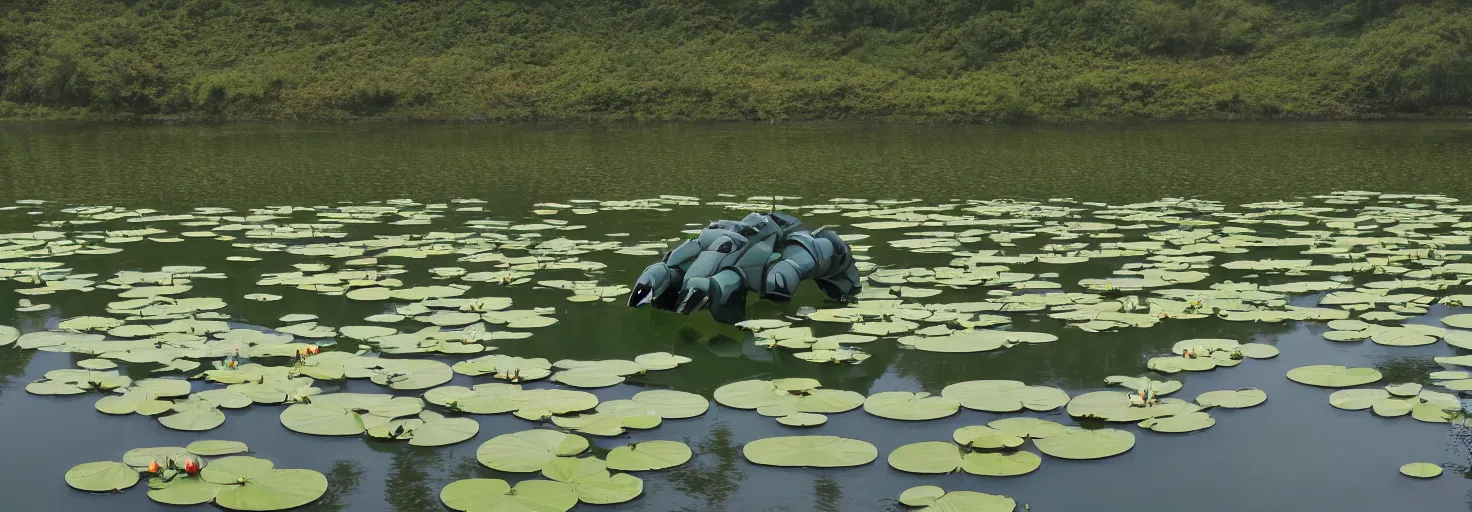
[[1293, 453]]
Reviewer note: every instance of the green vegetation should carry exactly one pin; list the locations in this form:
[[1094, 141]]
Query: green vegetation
[[952, 60]]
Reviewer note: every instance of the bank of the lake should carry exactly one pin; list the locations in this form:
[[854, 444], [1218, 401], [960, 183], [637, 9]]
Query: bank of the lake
[[937, 60]]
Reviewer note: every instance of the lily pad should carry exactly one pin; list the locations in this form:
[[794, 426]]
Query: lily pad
[[903, 405], [1421, 470], [216, 448], [486, 494], [1027, 427], [803, 419], [278, 489], [527, 451], [934, 499], [1331, 376], [1357, 399], [1082, 444], [1232, 399], [809, 451], [649, 456], [1004, 396], [346, 414], [1181, 423], [104, 476]]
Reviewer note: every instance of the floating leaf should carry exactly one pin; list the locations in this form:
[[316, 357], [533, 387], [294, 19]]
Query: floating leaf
[[477, 494], [1232, 399], [1421, 470], [1034, 428], [1180, 423], [278, 489], [1078, 443], [903, 405], [529, 450], [102, 476], [1004, 396], [1331, 376], [648, 456], [809, 451], [216, 448], [802, 419]]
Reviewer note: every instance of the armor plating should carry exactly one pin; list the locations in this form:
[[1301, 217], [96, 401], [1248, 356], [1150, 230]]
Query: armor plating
[[769, 254]]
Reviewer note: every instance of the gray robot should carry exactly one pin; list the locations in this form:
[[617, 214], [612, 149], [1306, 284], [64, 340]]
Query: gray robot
[[766, 253]]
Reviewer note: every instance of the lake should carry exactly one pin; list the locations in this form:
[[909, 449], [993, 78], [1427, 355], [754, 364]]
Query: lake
[[1293, 452]]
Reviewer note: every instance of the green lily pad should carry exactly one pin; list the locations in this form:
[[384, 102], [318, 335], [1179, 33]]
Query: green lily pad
[[132, 401], [1026, 427], [608, 489], [649, 456], [1258, 351], [1001, 463], [660, 360], [803, 419], [1404, 390], [904, 405], [1331, 376], [182, 490], [529, 450], [487, 494], [1357, 399], [104, 476], [8, 335], [97, 364], [138, 458], [1004, 396], [926, 457], [921, 495], [1160, 388], [1082, 444], [216, 448], [986, 438], [935, 499], [347, 414], [809, 451], [1232, 399], [1463, 321], [1124, 407], [671, 404], [1421, 469], [587, 378], [609, 424], [1392, 407], [278, 489], [193, 416], [1182, 423]]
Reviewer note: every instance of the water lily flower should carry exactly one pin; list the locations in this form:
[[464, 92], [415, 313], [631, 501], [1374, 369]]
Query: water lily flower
[[153, 467], [191, 466]]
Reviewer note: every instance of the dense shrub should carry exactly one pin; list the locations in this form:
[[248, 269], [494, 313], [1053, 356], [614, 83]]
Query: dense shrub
[[956, 60]]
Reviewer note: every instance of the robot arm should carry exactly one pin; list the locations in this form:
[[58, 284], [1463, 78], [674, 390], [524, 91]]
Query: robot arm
[[724, 293], [823, 258], [660, 282]]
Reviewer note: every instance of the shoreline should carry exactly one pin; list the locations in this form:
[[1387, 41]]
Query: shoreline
[[614, 120]]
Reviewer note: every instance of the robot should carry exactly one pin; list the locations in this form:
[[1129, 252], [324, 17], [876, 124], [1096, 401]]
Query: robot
[[767, 253]]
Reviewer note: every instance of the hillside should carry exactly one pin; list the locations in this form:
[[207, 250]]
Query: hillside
[[945, 60]]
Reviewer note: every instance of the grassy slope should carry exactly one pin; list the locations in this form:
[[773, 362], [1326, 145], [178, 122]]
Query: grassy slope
[[953, 60]]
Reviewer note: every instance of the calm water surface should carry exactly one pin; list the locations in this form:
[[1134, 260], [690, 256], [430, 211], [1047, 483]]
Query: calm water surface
[[1293, 453]]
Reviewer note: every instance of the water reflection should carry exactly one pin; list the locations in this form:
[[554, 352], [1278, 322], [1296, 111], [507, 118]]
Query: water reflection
[[12, 364], [409, 486], [342, 482], [712, 483], [826, 494]]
